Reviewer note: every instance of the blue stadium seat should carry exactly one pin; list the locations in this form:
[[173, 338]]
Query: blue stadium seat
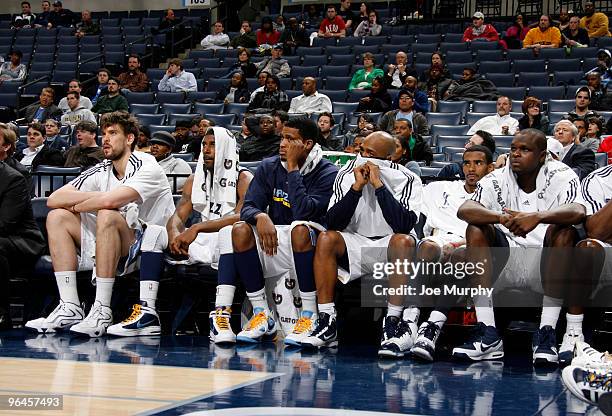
[[471, 118], [446, 47], [566, 64], [155, 73], [479, 45], [222, 120], [346, 108], [300, 80], [208, 73], [374, 40], [305, 71], [484, 106], [170, 97], [201, 53], [357, 95], [318, 41], [456, 69], [552, 53], [318, 60], [203, 108], [63, 76], [428, 38], [359, 50], [337, 60], [459, 57], [109, 22], [150, 119], [335, 95], [9, 100], [424, 47], [561, 105], [90, 40], [226, 53], [10, 87], [567, 77], [429, 171], [494, 67], [234, 108], [391, 49], [601, 159], [35, 88], [514, 93], [144, 108], [111, 31], [547, 93], [293, 60], [583, 53], [422, 58], [453, 107], [443, 130], [446, 119], [556, 116], [457, 141], [513, 54], [174, 117], [117, 58], [337, 83], [139, 97], [348, 41], [402, 40], [528, 65], [501, 80], [175, 108], [193, 96], [528, 79], [334, 71], [313, 51]]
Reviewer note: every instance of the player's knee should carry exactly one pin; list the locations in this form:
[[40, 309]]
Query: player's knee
[[327, 241], [300, 238], [155, 239], [589, 243], [476, 234], [429, 251], [57, 217], [242, 236], [560, 236], [401, 242], [108, 219]]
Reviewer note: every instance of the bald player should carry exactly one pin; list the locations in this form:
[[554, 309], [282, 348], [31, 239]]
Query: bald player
[[311, 101], [370, 219]]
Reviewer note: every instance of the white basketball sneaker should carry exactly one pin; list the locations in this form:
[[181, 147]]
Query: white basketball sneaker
[[220, 328], [261, 327], [64, 316], [100, 317], [143, 321], [303, 329]]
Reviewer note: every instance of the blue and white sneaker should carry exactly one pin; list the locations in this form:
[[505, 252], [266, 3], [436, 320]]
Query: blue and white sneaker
[[544, 347], [483, 344], [324, 335], [303, 329], [220, 328], [587, 385], [568, 347], [425, 344], [399, 345], [261, 327], [144, 321], [95, 324]]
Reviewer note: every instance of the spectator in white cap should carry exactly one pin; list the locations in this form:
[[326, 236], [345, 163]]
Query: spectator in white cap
[[162, 144], [479, 30], [554, 147]]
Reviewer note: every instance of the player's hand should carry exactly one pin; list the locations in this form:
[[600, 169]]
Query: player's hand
[[180, 244], [294, 149], [268, 238], [361, 177], [522, 223], [374, 177]]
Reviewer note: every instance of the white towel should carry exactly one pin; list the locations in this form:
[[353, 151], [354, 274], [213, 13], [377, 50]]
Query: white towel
[[368, 219], [312, 160], [214, 196]]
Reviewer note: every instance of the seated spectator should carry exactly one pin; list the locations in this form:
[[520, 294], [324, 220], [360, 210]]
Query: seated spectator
[[364, 13], [236, 91], [265, 144], [279, 23], [533, 117], [414, 147], [13, 70], [582, 110], [406, 111], [177, 80], [134, 79], [574, 155], [421, 102], [592, 139], [564, 20], [26, 18], [596, 23], [575, 36], [182, 136], [377, 101], [261, 80], [346, 13], [75, 86], [246, 38], [311, 18], [245, 132], [52, 136], [471, 87], [364, 122], [86, 153], [99, 89], [280, 119], [362, 79], [76, 113], [355, 146], [271, 98], [86, 26], [60, 17], [369, 27], [436, 60], [500, 123], [42, 18], [274, 64], [112, 101], [604, 66], [326, 139], [144, 136], [38, 153], [293, 37], [217, 39], [581, 124], [8, 143], [516, 33], [21, 242], [543, 36], [266, 36], [397, 73], [480, 138], [169, 22], [243, 64], [195, 131], [479, 30], [162, 144], [311, 101], [332, 26], [44, 108], [437, 82], [601, 100]]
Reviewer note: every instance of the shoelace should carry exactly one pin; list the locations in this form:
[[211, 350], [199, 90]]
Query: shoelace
[[601, 381], [477, 332], [257, 320], [302, 325], [429, 330], [391, 329], [404, 329], [221, 320], [136, 308]]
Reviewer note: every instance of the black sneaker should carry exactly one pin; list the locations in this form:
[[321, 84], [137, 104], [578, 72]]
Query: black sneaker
[[544, 347], [484, 344], [425, 344], [324, 334], [400, 344]]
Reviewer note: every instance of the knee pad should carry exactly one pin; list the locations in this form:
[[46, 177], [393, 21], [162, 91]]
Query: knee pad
[[155, 239]]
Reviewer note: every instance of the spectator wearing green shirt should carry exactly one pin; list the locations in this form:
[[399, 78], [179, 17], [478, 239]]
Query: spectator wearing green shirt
[[362, 79], [113, 101]]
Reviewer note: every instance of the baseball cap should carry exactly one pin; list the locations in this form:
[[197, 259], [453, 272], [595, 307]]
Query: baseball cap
[[57, 3], [607, 52], [585, 89], [554, 146], [278, 46], [478, 15], [163, 137]]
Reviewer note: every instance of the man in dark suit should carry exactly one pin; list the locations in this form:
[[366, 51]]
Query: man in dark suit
[[8, 139], [574, 155], [38, 153], [21, 241], [44, 109]]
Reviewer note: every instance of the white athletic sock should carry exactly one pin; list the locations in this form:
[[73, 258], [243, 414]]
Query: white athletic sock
[[225, 296], [104, 290], [67, 286], [393, 310], [485, 315], [258, 300], [328, 308], [148, 292], [309, 302], [551, 308], [411, 314], [437, 318], [574, 322]]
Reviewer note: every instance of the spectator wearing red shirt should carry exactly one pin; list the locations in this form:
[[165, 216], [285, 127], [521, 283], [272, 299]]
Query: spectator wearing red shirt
[[267, 35], [480, 30], [333, 25]]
